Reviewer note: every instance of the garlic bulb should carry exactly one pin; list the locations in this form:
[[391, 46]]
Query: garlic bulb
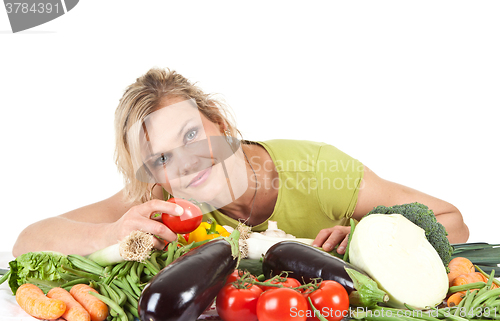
[[256, 244]]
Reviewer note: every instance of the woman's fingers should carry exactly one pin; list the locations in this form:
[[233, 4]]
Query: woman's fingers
[[142, 217], [156, 228], [152, 207], [328, 238], [343, 246]]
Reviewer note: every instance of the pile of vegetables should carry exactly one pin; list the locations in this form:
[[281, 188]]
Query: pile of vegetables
[[398, 266], [118, 285]]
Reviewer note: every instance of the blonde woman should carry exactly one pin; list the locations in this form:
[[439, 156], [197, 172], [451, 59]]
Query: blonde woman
[[172, 139]]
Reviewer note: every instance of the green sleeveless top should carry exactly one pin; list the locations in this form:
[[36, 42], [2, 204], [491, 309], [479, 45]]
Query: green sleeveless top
[[318, 187]]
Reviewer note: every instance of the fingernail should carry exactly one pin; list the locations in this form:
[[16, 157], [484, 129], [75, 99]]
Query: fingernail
[[179, 210], [327, 246], [341, 249]]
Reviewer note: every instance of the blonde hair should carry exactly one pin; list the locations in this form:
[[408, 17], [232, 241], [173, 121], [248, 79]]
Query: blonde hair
[[144, 97]]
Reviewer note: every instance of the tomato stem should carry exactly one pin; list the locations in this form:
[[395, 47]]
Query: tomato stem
[[246, 281]]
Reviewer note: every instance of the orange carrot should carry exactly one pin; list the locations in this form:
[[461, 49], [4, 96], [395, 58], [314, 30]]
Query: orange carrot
[[455, 298], [469, 278], [74, 310], [97, 309], [32, 300], [459, 266]]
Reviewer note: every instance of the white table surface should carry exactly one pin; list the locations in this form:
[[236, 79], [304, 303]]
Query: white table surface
[[9, 309]]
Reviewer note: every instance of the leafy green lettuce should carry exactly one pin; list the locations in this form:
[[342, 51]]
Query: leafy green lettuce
[[40, 268]]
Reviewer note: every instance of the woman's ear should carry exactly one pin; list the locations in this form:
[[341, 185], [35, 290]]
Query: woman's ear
[[223, 127]]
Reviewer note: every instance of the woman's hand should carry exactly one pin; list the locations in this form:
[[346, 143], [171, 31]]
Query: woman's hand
[[142, 217], [328, 238]]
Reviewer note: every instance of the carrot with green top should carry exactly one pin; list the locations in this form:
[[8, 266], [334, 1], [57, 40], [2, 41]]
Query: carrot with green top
[[74, 310], [97, 309], [32, 300]]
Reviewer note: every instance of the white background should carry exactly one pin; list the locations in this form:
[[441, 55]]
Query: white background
[[409, 88]]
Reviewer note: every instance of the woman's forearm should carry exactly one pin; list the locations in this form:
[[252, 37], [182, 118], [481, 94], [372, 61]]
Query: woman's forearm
[[458, 232], [62, 235]]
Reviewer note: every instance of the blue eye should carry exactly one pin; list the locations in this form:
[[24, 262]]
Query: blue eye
[[162, 160], [190, 135]]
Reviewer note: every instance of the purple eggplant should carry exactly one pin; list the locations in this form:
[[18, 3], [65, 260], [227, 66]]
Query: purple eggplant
[[187, 286], [304, 262]]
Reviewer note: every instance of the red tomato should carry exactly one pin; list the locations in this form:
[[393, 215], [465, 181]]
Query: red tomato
[[234, 304], [289, 283], [332, 301], [236, 275], [187, 222], [281, 304]]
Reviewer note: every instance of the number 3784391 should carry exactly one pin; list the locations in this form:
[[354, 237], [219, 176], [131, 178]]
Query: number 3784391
[[23, 7]]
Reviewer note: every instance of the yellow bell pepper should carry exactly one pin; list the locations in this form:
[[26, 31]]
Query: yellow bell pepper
[[207, 231]]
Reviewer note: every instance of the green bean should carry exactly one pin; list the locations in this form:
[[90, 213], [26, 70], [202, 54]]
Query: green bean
[[152, 259], [81, 274], [107, 270], [179, 252], [132, 309], [103, 290], [75, 282], [486, 275], [133, 271], [469, 297], [121, 295], [131, 299], [125, 269], [456, 318], [465, 287], [75, 258], [133, 285], [130, 316], [151, 267], [140, 268], [486, 295], [5, 277], [125, 286], [145, 269], [66, 276], [147, 278], [114, 272], [112, 293], [489, 302], [489, 284], [170, 253], [112, 304], [118, 267], [161, 263], [459, 307]]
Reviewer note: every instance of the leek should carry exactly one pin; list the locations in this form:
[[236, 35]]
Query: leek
[[137, 246]]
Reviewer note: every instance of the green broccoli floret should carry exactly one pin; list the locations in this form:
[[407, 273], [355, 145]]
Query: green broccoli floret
[[421, 215]]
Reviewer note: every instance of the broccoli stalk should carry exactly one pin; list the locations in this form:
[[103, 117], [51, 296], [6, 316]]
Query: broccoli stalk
[[424, 217]]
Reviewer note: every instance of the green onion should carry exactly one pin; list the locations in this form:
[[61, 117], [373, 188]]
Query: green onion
[[136, 246]]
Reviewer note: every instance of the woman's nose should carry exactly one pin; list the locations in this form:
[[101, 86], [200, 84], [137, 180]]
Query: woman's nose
[[187, 162]]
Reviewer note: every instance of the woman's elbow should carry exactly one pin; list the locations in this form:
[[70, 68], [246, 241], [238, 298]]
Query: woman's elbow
[[458, 231]]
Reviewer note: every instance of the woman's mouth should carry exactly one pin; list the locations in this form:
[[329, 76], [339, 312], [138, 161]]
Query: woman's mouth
[[200, 178]]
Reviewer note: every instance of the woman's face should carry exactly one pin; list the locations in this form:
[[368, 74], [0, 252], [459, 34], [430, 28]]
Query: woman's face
[[184, 152]]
